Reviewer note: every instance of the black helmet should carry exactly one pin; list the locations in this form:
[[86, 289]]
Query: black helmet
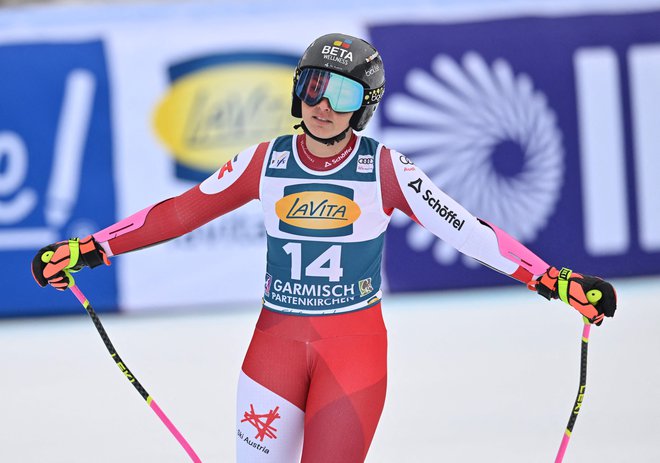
[[351, 57]]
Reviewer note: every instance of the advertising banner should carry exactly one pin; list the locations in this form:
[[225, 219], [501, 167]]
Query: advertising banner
[[194, 108], [56, 165], [546, 127]]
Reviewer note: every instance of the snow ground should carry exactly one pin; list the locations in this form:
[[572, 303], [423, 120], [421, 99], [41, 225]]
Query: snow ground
[[481, 375]]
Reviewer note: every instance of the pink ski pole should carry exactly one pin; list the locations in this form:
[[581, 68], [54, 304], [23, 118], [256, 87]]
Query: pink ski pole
[[131, 378], [593, 296]]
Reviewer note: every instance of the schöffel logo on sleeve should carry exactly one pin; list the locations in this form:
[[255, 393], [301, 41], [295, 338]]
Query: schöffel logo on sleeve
[[441, 209], [317, 210]]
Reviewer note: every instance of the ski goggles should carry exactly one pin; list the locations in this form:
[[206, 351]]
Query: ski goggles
[[345, 95]]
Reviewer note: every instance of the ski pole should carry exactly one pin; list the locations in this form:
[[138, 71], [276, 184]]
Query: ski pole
[[593, 297], [131, 378]]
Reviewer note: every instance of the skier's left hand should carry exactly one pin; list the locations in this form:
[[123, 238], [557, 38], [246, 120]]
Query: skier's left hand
[[593, 297]]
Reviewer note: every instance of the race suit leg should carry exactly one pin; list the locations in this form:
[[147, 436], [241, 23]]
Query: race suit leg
[[326, 374]]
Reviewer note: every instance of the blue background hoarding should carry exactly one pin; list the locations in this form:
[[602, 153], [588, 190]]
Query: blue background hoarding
[[56, 176], [501, 115]]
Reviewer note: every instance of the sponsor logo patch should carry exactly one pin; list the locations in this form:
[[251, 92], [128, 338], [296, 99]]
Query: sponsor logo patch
[[269, 281], [365, 164], [317, 210], [338, 52], [365, 286], [409, 166], [441, 209], [416, 185], [279, 159]]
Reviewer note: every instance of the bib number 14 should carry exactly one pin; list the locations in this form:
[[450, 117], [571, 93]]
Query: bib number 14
[[327, 265]]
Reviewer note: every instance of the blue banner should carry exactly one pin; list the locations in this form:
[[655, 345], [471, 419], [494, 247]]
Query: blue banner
[[546, 127], [56, 175]]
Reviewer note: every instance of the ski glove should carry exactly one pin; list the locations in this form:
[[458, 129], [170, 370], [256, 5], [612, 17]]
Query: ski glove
[[52, 263], [593, 297]]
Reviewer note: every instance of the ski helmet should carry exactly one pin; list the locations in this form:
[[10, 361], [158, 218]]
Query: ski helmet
[[351, 57]]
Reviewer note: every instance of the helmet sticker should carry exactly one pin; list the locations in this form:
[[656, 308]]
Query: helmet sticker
[[372, 57], [339, 51], [372, 70]]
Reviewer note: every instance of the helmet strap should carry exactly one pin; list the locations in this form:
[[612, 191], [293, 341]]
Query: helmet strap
[[327, 141]]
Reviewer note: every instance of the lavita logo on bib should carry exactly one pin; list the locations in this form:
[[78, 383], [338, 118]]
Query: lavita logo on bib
[[317, 210]]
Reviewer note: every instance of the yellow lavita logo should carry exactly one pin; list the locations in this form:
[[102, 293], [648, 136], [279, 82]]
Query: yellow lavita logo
[[317, 210], [211, 114]]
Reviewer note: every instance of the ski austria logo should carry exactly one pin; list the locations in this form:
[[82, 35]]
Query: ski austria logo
[[485, 136], [263, 423], [317, 210], [218, 105]]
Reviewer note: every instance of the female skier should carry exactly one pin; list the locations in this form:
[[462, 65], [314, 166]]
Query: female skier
[[312, 385]]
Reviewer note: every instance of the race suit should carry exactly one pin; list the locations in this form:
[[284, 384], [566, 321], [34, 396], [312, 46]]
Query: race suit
[[312, 385]]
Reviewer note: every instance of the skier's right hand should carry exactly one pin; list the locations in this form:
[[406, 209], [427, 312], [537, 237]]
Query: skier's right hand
[[52, 263]]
